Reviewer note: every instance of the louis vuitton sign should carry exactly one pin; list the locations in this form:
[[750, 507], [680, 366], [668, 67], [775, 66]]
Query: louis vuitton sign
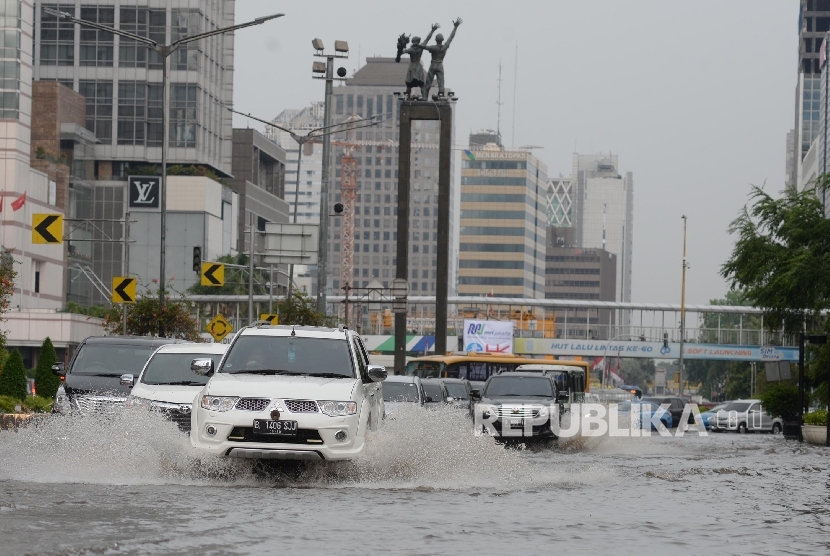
[[145, 192]]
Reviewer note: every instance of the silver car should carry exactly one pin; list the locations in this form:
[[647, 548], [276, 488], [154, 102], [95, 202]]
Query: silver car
[[745, 416]]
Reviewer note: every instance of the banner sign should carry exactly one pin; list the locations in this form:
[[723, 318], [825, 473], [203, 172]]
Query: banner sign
[[492, 336], [599, 348]]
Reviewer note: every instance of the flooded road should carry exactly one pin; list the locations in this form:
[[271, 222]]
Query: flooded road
[[133, 485]]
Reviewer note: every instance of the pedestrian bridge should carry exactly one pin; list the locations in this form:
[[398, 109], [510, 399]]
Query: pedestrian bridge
[[565, 327]]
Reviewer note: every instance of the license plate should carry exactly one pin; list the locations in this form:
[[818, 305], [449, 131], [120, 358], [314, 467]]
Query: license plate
[[268, 426], [516, 422]]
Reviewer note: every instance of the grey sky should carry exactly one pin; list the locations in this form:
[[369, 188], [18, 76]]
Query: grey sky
[[696, 98]]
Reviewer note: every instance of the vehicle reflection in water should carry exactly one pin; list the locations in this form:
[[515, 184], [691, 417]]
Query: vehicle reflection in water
[[426, 484]]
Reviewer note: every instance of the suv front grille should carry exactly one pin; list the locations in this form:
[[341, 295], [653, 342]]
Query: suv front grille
[[518, 412], [301, 406], [303, 436], [252, 404], [95, 404]]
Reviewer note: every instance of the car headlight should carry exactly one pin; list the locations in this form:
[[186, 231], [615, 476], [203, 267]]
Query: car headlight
[[134, 402], [61, 404], [337, 409], [219, 403]]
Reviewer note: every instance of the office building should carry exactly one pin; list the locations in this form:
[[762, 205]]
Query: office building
[[121, 82], [370, 92], [503, 222], [308, 197], [603, 213], [580, 274], [559, 202]]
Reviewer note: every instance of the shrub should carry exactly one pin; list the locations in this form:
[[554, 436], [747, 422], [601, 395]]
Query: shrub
[[46, 383], [816, 418], [7, 404], [13, 377], [781, 400], [38, 404]]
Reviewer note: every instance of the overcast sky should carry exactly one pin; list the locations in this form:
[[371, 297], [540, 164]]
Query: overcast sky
[[696, 98]]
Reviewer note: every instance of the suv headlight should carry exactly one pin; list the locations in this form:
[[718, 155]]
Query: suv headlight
[[61, 404], [219, 403], [337, 409]]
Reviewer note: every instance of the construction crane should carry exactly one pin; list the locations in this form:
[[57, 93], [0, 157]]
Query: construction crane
[[348, 189]]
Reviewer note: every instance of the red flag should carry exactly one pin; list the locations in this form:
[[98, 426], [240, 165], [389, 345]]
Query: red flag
[[18, 203]]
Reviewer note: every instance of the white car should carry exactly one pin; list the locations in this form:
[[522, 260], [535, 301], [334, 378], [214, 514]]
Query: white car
[[167, 384], [288, 392]]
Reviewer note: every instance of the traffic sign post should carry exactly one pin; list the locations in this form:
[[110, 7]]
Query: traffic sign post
[[47, 228], [213, 274], [219, 327], [123, 289]]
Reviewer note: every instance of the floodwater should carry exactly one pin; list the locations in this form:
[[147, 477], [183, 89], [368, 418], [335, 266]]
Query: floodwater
[[131, 484]]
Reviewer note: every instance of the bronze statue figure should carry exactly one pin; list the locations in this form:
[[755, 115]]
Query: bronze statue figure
[[436, 67], [415, 74]]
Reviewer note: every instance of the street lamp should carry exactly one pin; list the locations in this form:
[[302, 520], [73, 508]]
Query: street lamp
[[682, 311], [164, 51], [316, 133], [326, 71]]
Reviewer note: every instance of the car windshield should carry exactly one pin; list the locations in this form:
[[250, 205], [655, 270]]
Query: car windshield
[[456, 390], [717, 408], [433, 391], [737, 406], [289, 355], [400, 392], [174, 368], [519, 386], [111, 360]]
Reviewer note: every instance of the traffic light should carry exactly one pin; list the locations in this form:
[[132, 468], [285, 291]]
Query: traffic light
[[197, 259], [665, 339]]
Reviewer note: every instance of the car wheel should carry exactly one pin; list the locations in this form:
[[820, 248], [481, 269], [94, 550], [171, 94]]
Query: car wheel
[[742, 428], [776, 428]]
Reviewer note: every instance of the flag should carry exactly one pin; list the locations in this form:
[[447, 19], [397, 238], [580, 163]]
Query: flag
[[18, 203], [469, 154]]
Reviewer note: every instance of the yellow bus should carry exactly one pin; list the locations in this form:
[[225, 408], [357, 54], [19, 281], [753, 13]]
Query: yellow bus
[[479, 366]]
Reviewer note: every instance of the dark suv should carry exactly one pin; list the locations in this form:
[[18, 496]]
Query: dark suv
[[676, 407], [510, 400], [102, 372]]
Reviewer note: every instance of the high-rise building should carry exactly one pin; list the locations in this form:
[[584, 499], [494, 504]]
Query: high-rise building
[[603, 212], [311, 170], [503, 223], [813, 24], [370, 92], [121, 81], [559, 201]]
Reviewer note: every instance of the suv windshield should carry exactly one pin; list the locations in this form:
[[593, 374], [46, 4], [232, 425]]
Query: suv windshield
[[456, 390], [111, 360], [289, 355], [174, 368], [519, 386], [400, 392]]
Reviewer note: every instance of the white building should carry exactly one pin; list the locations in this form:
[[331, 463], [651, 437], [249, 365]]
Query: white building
[[603, 212], [40, 268]]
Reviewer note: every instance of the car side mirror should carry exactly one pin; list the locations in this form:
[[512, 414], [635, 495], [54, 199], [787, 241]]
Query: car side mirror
[[58, 370], [377, 373], [203, 367], [475, 394], [127, 380], [563, 396]]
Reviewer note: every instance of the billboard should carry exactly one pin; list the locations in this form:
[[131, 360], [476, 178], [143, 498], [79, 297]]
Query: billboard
[[492, 336]]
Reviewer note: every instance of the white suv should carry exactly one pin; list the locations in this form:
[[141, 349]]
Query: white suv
[[288, 392]]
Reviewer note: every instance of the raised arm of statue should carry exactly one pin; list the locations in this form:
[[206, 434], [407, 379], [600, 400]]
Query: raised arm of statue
[[429, 36], [455, 25]]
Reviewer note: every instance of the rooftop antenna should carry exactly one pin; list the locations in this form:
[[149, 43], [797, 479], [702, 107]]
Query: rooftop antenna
[[515, 80], [498, 102]]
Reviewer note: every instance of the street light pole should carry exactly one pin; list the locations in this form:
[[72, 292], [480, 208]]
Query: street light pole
[[682, 311], [164, 51]]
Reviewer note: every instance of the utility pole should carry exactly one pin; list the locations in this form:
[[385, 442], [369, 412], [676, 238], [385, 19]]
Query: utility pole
[[682, 310]]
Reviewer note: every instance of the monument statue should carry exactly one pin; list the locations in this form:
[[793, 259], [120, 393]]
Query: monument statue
[[438, 51], [415, 75]]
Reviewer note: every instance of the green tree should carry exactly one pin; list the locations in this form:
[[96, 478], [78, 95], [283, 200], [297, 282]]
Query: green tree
[[781, 400], [46, 383], [303, 311], [13, 377], [738, 380], [639, 372], [145, 317]]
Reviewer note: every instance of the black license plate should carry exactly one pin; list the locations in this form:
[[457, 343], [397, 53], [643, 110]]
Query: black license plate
[[268, 426]]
